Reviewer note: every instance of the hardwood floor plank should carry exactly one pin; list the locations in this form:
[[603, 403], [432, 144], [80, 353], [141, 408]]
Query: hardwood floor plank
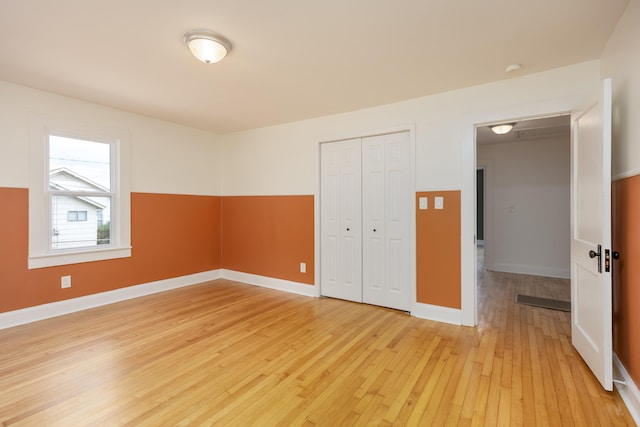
[[232, 354]]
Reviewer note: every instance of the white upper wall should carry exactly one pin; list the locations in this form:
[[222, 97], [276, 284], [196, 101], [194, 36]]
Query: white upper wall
[[168, 158], [165, 157], [621, 62], [284, 159]]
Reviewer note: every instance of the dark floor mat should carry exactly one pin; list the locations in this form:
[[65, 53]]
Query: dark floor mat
[[552, 304]]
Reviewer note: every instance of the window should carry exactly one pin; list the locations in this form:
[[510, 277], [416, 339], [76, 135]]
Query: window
[[79, 202], [74, 216], [80, 177]]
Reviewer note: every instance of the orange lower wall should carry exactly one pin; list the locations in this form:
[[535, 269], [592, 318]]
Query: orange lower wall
[[626, 274], [171, 236], [438, 267], [178, 235], [269, 236], [174, 235]]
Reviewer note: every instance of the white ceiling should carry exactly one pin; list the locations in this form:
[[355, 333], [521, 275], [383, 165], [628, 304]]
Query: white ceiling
[[291, 59]]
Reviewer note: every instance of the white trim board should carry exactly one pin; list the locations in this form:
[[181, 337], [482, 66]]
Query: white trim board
[[532, 270], [59, 308], [272, 283], [437, 313], [628, 391]]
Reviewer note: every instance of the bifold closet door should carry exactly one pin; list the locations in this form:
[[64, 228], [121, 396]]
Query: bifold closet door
[[341, 220], [386, 219]]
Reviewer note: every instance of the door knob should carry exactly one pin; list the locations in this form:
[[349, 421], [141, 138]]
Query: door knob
[[616, 255], [592, 253]]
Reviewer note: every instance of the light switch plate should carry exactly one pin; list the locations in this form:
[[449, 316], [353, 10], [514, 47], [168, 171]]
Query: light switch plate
[[439, 202], [424, 203], [303, 267]]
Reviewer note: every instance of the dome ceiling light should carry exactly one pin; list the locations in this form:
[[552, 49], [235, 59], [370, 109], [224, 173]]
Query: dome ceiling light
[[207, 46], [502, 129]]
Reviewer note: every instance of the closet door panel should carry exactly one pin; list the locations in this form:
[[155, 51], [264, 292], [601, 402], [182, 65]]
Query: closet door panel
[[330, 223], [386, 266], [400, 290], [373, 216], [341, 220]]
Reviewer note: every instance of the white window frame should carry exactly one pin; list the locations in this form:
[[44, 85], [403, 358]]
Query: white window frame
[[77, 215], [40, 253]]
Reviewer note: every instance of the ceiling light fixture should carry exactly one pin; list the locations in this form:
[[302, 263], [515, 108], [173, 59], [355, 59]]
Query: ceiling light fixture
[[207, 46], [512, 67], [502, 128]]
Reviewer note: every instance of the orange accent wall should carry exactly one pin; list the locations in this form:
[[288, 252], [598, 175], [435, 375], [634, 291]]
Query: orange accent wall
[[438, 265], [626, 274], [269, 236], [174, 235], [171, 236]]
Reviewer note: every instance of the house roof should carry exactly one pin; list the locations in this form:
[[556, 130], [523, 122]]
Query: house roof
[[77, 182], [66, 179], [291, 59]]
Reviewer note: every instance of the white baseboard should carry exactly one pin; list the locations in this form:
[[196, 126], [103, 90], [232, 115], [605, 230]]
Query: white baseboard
[[629, 391], [272, 283], [54, 309], [437, 313], [561, 273]]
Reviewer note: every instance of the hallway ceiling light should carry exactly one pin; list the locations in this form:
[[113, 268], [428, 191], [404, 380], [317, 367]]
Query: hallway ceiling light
[[502, 128], [207, 46]]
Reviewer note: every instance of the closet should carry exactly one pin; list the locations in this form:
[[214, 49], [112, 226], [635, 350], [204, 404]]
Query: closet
[[365, 220]]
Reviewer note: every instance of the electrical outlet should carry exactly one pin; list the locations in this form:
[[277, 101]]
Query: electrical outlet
[[65, 282], [303, 267]]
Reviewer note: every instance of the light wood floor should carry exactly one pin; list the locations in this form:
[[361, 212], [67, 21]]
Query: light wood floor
[[226, 354]]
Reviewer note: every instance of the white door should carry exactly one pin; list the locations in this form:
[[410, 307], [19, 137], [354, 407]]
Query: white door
[[591, 235], [341, 220], [386, 217]]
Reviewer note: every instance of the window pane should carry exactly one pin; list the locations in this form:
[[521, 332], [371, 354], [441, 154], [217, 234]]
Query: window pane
[[80, 221], [79, 165]]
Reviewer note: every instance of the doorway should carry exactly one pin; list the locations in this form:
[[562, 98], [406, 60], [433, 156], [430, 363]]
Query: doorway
[[527, 222], [474, 123]]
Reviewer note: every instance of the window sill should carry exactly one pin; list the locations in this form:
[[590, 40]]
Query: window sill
[[77, 257]]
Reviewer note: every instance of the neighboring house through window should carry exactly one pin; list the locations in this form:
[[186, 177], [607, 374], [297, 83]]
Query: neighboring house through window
[[84, 202], [75, 200]]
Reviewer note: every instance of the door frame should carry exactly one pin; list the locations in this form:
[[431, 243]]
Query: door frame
[[470, 121], [411, 128], [487, 167]]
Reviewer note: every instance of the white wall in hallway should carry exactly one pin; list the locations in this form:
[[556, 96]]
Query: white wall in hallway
[[531, 206]]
